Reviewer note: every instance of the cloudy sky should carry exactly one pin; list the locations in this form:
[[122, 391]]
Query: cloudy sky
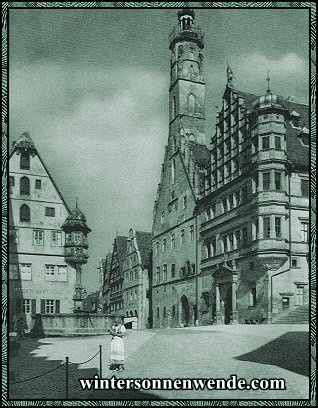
[[91, 87]]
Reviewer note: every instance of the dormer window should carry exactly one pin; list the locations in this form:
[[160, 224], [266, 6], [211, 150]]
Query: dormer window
[[294, 118]]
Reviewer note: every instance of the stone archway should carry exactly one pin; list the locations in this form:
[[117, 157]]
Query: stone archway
[[185, 311]]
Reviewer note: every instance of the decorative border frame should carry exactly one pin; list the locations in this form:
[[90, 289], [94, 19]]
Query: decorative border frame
[[312, 8]]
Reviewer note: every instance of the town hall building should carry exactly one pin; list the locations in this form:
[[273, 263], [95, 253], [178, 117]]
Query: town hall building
[[231, 222]]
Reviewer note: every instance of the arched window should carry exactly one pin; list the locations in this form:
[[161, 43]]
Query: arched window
[[25, 161], [24, 186], [191, 101], [136, 314], [24, 213], [131, 313], [164, 311]]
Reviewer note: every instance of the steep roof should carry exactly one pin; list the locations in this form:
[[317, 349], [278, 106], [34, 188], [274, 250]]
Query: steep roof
[[201, 154], [297, 153], [121, 246], [144, 242]]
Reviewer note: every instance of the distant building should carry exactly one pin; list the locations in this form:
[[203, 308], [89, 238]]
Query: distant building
[[91, 302], [40, 281], [137, 275], [114, 292], [105, 282]]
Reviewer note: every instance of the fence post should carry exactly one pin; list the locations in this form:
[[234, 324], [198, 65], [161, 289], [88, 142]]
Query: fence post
[[100, 361], [66, 377]]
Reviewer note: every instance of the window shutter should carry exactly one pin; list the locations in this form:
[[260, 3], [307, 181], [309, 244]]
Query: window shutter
[[33, 306], [57, 306], [19, 306], [42, 306]]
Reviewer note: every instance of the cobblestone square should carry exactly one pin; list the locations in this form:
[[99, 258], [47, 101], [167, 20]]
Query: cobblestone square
[[249, 351]]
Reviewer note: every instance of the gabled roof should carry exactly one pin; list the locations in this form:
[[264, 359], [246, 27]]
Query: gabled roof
[[144, 242], [121, 247], [201, 154], [26, 143]]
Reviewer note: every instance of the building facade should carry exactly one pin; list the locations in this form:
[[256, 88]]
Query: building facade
[[40, 280], [137, 272], [255, 213], [231, 223], [175, 229], [114, 291]]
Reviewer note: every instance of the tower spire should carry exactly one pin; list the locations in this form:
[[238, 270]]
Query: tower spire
[[268, 80]]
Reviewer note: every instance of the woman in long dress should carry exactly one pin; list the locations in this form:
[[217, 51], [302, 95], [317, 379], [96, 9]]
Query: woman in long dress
[[117, 356]]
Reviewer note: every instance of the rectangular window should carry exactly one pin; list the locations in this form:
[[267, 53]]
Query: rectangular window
[[50, 211], [49, 306], [26, 271], [231, 201], [182, 236], [304, 232], [191, 233], [50, 273], [294, 263], [38, 237], [158, 273], [38, 184], [27, 306], [61, 273], [265, 142], [278, 227], [77, 237], [157, 247], [56, 239], [238, 239], [164, 244], [305, 188], [278, 143], [244, 194], [173, 270], [173, 241], [224, 205], [245, 236], [266, 227], [238, 197], [164, 272], [266, 181], [212, 211], [253, 296], [278, 180], [11, 181]]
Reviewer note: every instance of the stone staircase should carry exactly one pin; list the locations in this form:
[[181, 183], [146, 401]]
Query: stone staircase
[[299, 315]]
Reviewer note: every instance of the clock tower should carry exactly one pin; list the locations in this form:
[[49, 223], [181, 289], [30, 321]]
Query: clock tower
[[187, 86]]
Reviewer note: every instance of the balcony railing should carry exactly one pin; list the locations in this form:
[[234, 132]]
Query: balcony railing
[[195, 33]]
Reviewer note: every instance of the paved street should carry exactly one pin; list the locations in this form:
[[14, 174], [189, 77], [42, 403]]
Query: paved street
[[249, 351]]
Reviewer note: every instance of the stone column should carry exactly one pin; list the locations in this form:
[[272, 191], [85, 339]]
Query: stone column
[[260, 181], [272, 223], [217, 304], [260, 227], [234, 309], [272, 180]]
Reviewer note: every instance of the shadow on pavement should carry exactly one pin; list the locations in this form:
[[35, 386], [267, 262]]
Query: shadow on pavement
[[52, 386], [289, 351]]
